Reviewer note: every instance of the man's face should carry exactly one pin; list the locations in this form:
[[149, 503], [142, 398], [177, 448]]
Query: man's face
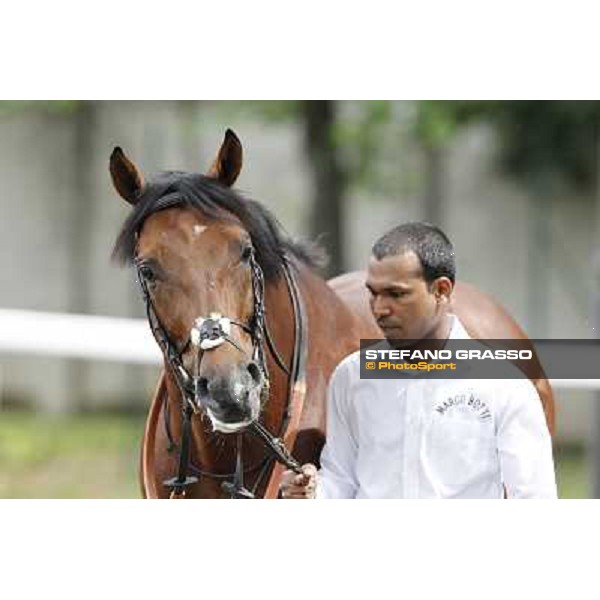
[[403, 304]]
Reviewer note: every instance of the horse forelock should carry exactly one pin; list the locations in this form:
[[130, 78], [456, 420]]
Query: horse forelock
[[172, 189]]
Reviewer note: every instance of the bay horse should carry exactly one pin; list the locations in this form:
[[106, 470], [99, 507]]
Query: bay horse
[[249, 331]]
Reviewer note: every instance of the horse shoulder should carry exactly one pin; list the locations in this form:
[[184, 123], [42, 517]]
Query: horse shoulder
[[336, 317], [482, 316], [485, 318], [350, 289]]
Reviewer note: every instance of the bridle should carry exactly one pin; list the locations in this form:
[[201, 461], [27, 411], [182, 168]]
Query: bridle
[[209, 333]]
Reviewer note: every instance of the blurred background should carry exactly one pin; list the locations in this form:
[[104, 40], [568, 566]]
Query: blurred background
[[514, 184]]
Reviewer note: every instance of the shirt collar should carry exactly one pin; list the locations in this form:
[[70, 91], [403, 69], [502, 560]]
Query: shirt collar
[[457, 330]]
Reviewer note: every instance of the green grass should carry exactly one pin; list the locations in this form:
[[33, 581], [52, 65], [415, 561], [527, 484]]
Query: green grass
[[83, 456], [572, 472], [96, 456]]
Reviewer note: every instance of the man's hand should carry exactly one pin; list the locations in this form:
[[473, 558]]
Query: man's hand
[[299, 486]]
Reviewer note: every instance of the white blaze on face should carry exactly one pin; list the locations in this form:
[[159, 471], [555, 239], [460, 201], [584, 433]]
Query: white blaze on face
[[198, 230]]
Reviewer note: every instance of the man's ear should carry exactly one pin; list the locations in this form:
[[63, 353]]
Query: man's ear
[[442, 289], [228, 163], [126, 178]]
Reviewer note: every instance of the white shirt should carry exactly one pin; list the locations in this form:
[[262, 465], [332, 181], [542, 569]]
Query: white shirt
[[421, 438]]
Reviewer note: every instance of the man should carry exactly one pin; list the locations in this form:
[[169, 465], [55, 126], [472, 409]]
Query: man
[[410, 437]]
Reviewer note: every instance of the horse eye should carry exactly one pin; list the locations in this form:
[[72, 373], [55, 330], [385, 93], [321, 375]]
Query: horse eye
[[148, 273], [246, 253]]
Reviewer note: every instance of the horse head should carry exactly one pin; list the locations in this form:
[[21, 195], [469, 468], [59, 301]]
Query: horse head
[[201, 259]]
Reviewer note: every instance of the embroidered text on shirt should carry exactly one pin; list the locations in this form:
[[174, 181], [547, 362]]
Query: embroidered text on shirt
[[468, 400]]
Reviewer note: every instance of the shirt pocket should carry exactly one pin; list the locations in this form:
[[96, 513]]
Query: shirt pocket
[[458, 451]]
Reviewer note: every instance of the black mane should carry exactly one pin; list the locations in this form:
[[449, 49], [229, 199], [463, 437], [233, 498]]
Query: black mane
[[175, 188]]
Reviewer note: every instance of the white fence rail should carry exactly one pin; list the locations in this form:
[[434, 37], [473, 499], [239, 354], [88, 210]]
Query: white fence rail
[[111, 339], [77, 336]]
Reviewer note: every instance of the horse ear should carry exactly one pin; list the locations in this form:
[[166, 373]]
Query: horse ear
[[126, 178], [228, 164]]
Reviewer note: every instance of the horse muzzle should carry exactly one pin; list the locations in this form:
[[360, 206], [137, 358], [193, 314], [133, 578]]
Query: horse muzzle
[[229, 393], [232, 402]]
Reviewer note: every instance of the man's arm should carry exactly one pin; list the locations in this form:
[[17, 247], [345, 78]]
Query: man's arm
[[336, 479], [524, 444], [337, 476]]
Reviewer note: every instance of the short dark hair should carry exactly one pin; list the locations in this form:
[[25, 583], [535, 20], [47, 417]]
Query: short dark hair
[[428, 242]]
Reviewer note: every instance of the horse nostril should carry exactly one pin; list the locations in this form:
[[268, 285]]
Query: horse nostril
[[255, 373], [202, 386]]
